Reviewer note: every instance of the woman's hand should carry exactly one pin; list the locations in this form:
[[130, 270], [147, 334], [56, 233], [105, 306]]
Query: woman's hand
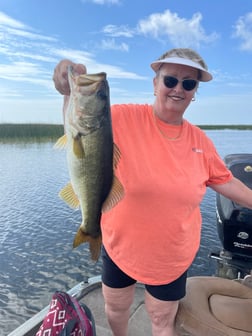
[[60, 76]]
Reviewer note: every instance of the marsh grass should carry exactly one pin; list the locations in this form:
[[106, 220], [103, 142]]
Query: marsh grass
[[222, 127], [30, 132], [50, 132]]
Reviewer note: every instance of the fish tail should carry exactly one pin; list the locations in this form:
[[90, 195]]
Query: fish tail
[[94, 243]]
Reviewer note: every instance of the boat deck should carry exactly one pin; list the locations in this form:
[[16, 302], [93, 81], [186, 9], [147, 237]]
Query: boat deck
[[194, 317], [139, 323], [91, 294]]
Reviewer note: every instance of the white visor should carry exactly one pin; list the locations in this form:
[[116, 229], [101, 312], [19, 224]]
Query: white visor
[[205, 75]]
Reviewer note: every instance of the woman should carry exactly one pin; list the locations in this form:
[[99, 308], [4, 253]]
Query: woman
[[153, 234]]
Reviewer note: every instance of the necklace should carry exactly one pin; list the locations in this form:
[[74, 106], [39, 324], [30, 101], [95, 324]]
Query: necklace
[[163, 133]]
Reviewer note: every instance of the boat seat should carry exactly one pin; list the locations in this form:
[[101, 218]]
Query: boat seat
[[215, 307]]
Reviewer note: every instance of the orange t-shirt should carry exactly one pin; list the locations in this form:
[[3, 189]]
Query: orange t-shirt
[[153, 234]]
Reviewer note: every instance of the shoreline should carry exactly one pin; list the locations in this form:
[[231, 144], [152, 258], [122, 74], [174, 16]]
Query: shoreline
[[10, 132]]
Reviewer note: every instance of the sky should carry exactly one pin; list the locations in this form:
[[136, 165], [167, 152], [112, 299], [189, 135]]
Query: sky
[[122, 38]]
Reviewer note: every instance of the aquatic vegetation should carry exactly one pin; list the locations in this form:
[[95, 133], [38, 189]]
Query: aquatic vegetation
[[30, 132], [45, 132]]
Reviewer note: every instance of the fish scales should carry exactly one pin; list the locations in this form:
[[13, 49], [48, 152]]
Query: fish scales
[[90, 156]]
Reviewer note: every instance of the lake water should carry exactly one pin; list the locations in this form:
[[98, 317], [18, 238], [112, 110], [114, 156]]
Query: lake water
[[37, 228]]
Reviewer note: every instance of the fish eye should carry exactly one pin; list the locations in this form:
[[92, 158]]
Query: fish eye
[[101, 94]]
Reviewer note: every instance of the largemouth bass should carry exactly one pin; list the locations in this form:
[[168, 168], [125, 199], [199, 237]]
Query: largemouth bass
[[91, 156]]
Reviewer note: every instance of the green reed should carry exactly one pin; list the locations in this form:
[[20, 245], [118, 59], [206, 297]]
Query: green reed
[[47, 132], [30, 132], [222, 127]]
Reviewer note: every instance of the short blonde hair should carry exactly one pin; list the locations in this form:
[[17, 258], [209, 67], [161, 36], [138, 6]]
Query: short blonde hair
[[185, 53], [183, 56]]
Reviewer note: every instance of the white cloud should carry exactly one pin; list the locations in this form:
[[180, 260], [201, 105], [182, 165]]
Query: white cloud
[[166, 26], [22, 55], [14, 28], [110, 44], [118, 31], [243, 31], [29, 58], [104, 2], [78, 56], [29, 35], [25, 56], [93, 65], [19, 70], [8, 21], [180, 31], [25, 73]]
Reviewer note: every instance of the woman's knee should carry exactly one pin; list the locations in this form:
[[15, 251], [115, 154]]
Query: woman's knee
[[161, 313]]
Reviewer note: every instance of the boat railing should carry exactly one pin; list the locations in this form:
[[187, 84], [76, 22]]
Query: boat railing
[[30, 327]]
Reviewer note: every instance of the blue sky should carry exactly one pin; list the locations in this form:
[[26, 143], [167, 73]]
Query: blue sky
[[122, 37]]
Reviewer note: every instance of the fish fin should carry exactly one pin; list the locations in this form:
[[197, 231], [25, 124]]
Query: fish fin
[[61, 142], [116, 155], [68, 195], [115, 195], [78, 148], [94, 243], [95, 247]]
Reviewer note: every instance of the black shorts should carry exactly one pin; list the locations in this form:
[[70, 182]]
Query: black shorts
[[113, 276]]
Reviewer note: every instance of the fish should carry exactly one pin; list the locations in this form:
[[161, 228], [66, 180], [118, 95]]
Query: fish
[[92, 156]]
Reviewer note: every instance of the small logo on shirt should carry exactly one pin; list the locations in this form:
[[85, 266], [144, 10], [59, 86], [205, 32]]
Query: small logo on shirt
[[197, 150]]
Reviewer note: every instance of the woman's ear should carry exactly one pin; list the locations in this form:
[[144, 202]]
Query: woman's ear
[[155, 85]]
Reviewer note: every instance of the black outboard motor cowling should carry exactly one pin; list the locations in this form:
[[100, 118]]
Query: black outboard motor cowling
[[234, 225], [234, 222]]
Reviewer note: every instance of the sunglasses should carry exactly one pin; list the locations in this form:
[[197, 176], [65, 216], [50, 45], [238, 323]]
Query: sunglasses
[[188, 84]]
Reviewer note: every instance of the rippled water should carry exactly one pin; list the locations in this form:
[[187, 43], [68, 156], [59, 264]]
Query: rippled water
[[37, 228]]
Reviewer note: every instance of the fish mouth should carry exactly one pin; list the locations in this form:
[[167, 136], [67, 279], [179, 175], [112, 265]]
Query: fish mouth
[[86, 79], [89, 79]]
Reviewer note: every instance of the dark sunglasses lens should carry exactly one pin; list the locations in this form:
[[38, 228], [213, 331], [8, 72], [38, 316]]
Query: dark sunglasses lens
[[170, 82], [189, 84]]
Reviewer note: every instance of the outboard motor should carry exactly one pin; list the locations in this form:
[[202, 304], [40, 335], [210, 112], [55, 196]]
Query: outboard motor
[[234, 224]]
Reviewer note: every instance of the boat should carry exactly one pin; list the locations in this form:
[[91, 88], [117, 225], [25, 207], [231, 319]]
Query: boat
[[221, 305], [90, 293], [200, 312], [215, 306], [218, 305], [234, 225]]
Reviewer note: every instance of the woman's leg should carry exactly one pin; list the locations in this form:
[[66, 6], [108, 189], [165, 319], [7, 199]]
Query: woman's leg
[[118, 291], [117, 307], [162, 315], [162, 305]]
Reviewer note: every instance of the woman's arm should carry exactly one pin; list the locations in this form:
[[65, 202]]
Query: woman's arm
[[236, 191]]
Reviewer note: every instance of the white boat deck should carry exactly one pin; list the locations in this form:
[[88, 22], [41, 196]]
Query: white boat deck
[[91, 294], [138, 324], [191, 307]]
